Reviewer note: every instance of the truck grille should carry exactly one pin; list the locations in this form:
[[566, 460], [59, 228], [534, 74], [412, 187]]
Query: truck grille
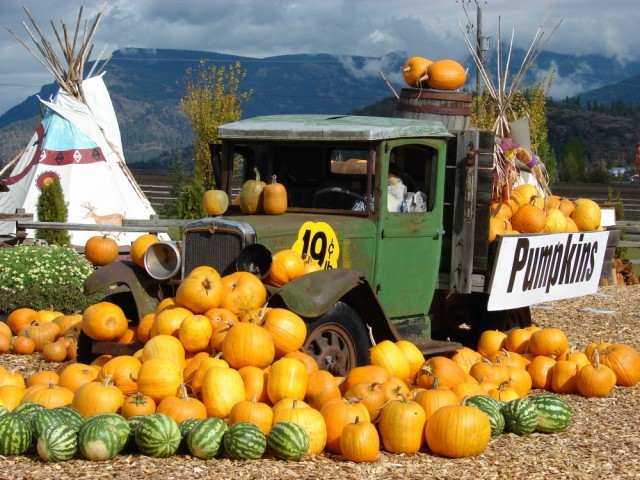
[[216, 243]]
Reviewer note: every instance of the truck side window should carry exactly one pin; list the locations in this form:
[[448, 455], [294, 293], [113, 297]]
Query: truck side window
[[409, 179]]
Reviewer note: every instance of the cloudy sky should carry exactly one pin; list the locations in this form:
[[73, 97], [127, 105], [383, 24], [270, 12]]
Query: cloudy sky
[[262, 28]]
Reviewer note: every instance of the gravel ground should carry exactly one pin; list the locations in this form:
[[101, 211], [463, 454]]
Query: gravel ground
[[602, 442]]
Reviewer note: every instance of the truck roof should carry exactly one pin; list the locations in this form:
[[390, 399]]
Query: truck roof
[[330, 127]]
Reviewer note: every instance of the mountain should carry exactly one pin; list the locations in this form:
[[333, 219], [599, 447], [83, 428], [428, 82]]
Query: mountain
[[146, 86]]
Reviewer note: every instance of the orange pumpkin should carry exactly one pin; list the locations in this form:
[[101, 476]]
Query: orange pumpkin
[[123, 371], [159, 378], [195, 333], [137, 404], [101, 250], [286, 328], [242, 293], [104, 321], [287, 265], [21, 318], [586, 214], [139, 248], [414, 71], [446, 75], [529, 219], [275, 198], [201, 290], [248, 344]]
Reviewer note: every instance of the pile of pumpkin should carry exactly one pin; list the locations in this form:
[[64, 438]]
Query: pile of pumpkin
[[446, 74], [527, 210]]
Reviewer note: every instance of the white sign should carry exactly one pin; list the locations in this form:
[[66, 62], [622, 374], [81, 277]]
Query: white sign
[[541, 268]]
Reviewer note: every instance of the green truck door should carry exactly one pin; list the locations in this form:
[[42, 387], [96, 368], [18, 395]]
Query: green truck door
[[409, 243]]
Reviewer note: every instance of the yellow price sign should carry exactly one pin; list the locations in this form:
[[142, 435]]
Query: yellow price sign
[[320, 242]]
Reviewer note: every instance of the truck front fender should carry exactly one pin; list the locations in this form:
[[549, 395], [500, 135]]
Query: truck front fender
[[146, 291], [314, 293]]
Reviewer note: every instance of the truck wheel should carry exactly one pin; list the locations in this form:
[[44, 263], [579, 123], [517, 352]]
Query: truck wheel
[[338, 340], [85, 344]]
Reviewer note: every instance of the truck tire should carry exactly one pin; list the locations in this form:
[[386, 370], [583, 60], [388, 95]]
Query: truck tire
[[337, 340], [505, 320]]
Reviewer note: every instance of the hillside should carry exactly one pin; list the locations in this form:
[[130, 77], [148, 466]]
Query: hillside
[[146, 87]]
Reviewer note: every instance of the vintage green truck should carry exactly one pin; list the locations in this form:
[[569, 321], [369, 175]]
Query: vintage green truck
[[405, 258]]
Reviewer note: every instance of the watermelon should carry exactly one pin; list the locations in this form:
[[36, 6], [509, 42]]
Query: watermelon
[[57, 443], [491, 407], [288, 441], [520, 416], [205, 439], [244, 441], [28, 409], [118, 422], [554, 413], [134, 422], [98, 441], [3, 410], [15, 434], [157, 435], [185, 427], [43, 419], [72, 417]]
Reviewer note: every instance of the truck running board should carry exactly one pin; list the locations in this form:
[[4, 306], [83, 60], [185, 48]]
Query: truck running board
[[430, 347]]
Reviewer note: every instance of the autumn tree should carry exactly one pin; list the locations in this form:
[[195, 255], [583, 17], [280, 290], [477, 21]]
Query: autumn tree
[[212, 98], [525, 102]]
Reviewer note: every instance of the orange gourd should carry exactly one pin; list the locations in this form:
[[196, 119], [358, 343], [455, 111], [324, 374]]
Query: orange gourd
[[104, 321], [139, 248], [286, 266], [101, 250], [253, 411], [137, 404], [182, 407], [215, 202], [201, 290], [21, 318], [97, 397], [275, 198], [242, 293], [401, 425], [288, 378], [159, 378], [446, 75], [248, 344], [360, 442], [339, 413], [529, 219], [286, 328], [414, 71]]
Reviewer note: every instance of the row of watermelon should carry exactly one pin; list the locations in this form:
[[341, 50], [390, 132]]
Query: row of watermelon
[[60, 433]]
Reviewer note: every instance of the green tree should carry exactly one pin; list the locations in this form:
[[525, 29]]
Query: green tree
[[178, 177], [212, 98], [572, 163], [51, 207]]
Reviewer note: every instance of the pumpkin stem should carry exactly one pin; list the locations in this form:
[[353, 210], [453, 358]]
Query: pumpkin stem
[[370, 330], [257, 173]]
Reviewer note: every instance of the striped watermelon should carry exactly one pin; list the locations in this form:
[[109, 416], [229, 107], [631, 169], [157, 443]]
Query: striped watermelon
[[134, 422], [15, 434], [3, 410], [554, 413], [520, 416], [157, 435], [57, 443], [28, 409], [244, 441], [491, 407], [98, 441], [288, 441], [116, 421], [205, 439], [72, 417], [43, 419], [185, 427]]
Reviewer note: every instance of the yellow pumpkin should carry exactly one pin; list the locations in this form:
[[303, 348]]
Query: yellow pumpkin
[[586, 214], [215, 202]]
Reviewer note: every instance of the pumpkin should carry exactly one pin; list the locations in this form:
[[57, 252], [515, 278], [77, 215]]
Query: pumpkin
[[541, 371], [49, 396], [43, 377], [253, 411], [222, 388], [54, 352], [360, 442], [448, 372], [371, 395], [201, 290], [286, 266], [159, 378], [497, 227], [308, 361], [414, 71], [556, 221], [288, 378], [137, 404], [242, 293], [69, 324], [251, 195], [490, 342], [339, 413], [139, 248], [104, 321], [446, 75], [517, 340], [457, 431], [10, 396], [21, 318], [432, 399], [195, 333], [23, 345], [529, 219], [595, 379], [76, 375], [181, 406], [101, 250], [5, 343], [624, 361], [321, 387], [366, 374], [248, 344], [565, 376], [215, 202], [275, 198], [465, 357], [549, 342], [413, 355], [164, 346], [486, 371], [401, 424], [255, 383], [586, 214], [41, 334], [286, 328], [387, 354], [97, 397], [168, 321], [123, 370]]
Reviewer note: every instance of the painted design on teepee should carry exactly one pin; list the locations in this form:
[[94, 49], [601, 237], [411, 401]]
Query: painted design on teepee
[[78, 141]]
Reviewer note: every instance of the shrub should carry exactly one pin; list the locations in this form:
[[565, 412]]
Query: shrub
[[52, 208], [40, 277]]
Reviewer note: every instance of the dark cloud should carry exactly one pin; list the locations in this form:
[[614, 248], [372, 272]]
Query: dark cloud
[[262, 28]]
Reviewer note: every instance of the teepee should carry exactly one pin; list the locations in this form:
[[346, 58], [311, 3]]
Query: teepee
[[76, 143]]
